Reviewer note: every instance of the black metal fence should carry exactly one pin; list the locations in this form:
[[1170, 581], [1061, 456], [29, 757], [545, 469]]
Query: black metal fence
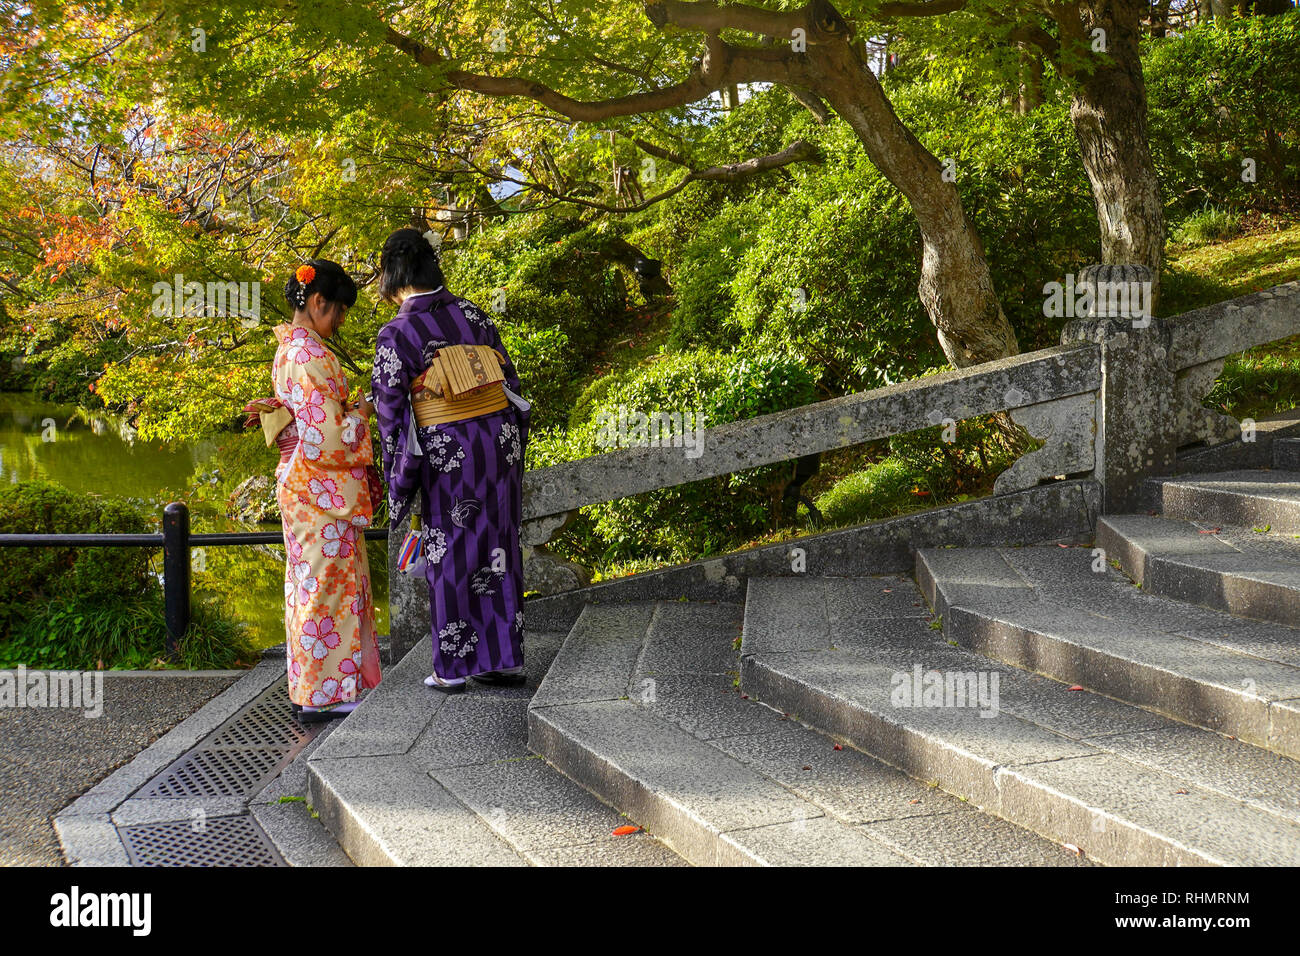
[[175, 540]]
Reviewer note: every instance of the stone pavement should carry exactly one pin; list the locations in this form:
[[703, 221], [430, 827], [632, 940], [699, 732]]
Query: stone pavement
[[49, 756], [220, 788]]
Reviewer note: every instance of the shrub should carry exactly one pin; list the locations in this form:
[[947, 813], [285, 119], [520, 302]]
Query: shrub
[[682, 522], [33, 574], [1218, 96], [1209, 224], [78, 607]]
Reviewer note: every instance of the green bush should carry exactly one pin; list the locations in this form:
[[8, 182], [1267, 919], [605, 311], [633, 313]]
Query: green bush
[[1210, 224], [823, 260], [1220, 94], [921, 470], [33, 574], [701, 517], [77, 607], [62, 364], [123, 633], [703, 279]]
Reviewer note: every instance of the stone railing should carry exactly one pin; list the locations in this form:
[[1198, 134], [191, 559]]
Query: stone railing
[[1114, 402], [1052, 393]]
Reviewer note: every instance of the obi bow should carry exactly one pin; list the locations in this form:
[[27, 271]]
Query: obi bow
[[273, 415]]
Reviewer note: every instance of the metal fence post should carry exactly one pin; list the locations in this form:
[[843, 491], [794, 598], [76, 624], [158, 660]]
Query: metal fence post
[[176, 572]]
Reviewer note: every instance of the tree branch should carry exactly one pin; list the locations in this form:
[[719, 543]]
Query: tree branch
[[800, 151], [932, 8], [819, 19], [722, 65]]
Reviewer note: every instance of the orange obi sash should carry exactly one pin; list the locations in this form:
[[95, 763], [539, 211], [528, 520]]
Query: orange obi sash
[[471, 381]]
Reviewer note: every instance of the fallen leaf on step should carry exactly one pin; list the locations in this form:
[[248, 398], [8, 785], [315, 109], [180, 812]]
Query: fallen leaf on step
[[1073, 849], [1180, 791], [1059, 545], [838, 747], [1077, 687], [806, 767], [1211, 531], [914, 801], [624, 831]]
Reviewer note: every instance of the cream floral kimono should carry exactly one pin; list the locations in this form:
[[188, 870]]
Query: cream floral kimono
[[325, 505]]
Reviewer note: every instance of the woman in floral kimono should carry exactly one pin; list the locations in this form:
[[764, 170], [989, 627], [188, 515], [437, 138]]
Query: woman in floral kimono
[[325, 501], [466, 475]]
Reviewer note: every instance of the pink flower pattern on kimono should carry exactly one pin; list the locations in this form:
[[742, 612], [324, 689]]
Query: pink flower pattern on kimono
[[327, 694], [319, 637], [340, 539], [310, 409], [305, 582], [312, 439], [351, 665], [362, 600], [325, 491], [303, 347]]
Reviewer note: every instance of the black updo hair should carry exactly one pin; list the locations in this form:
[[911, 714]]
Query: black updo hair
[[408, 259], [330, 280]]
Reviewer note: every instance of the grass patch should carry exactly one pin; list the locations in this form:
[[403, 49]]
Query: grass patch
[[1261, 381], [1211, 224], [124, 633], [1199, 276]]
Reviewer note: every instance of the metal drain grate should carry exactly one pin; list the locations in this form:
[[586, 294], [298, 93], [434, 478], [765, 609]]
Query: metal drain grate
[[266, 722], [241, 755], [222, 841], [218, 773]]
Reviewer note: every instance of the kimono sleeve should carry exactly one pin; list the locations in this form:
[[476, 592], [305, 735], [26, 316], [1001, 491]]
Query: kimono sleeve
[[334, 437], [390, 382]]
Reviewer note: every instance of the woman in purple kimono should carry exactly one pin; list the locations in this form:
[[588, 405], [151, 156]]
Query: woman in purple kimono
[[467, 475]]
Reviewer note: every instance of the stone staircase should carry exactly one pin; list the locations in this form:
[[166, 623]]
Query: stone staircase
[[1149, 724], [647, 706], [1140, 706]]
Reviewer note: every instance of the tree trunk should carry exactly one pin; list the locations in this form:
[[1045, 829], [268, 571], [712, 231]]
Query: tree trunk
[[1109, 111], [955, 288], [1263, 8], [1030, 71], [1160, 19]]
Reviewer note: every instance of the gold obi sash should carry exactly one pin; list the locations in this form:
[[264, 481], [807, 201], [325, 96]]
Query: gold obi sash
[[471, 381], [273, 416]]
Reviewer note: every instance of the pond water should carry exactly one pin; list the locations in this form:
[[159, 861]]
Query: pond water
[[98, 454]]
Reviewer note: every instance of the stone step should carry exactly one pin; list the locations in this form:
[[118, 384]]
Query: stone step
[[1286, 453], [1127, 786], [1246, 498], [282, 811], [1064, 613], [641, 707], [1249, 574], [417, 777]]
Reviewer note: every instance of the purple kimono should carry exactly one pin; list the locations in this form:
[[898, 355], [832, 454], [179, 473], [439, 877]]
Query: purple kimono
[[469, 479]]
